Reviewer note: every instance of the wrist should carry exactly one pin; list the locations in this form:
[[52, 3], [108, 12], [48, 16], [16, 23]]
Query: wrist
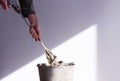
[[33, 19]]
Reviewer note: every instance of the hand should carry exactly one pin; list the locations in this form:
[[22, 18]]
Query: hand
[[4, 4], [34, 27]]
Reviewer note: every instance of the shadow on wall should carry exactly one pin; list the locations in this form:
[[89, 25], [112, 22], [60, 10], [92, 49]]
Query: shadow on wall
[[59, 19]]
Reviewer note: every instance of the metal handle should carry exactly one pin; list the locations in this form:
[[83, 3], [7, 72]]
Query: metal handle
[[43, 45]]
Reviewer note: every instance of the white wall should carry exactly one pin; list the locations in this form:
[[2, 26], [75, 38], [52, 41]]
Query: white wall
[[61, 20]]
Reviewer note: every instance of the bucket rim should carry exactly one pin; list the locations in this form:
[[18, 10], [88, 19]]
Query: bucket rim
[[64, 65]]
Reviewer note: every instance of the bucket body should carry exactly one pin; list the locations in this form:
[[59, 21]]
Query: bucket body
[[56, 73]]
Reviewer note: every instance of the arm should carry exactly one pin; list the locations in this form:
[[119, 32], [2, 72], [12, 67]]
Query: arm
[[29, 12], [27, 7]]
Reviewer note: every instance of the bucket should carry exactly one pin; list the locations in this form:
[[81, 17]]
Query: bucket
[[56, 73]]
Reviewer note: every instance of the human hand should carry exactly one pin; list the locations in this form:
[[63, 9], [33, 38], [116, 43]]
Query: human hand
[[4, 4], [34, 27]]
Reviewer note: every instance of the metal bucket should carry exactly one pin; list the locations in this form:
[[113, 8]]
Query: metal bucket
[[56, 73]]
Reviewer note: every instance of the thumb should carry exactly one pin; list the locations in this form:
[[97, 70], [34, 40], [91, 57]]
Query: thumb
[[4, 4]]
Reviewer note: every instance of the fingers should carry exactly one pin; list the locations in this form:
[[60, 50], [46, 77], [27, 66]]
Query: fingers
[[34, 27], [4, 4], [35, 32], [38, 33]]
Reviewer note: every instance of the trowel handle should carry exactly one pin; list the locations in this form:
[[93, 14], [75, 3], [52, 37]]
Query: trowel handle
[[43, 45]]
